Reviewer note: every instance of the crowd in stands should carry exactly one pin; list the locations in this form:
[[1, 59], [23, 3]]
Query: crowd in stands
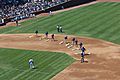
[[26, 10]]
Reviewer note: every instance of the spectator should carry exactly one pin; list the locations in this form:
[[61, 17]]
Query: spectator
[[25, 10]]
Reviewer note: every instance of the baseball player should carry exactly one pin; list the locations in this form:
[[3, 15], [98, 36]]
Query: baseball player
[[31, 64], [83, 49], [82, 57], [82, 54]]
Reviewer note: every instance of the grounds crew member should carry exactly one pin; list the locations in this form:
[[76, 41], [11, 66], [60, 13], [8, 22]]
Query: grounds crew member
[[81, 44], [76, 42], [31, 64], [65, 39], [36, 32], [73, 41], [53, 37], [61, 30], [58, 30], [46, 34]]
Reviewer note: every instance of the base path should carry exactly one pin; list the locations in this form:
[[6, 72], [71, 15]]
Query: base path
[[103, 62]]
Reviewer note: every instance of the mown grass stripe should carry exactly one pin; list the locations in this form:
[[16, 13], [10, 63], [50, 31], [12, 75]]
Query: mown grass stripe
[[45, 68], [24, 76], [97, 21]]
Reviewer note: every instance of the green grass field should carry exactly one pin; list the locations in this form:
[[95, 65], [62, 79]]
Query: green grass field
[[101, 20], [14, 64]]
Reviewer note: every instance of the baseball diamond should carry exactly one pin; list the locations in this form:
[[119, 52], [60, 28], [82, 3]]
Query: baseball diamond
[[87, 48]]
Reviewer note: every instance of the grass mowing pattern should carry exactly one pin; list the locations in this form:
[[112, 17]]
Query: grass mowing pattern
[[100, 20], [14, 64]]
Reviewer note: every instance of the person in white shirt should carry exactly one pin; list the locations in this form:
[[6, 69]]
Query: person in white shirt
[[61, 29], [50, 12], [31, 64], [58, 30]]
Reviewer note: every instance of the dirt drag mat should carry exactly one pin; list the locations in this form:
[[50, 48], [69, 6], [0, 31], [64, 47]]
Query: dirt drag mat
[[103, 62]]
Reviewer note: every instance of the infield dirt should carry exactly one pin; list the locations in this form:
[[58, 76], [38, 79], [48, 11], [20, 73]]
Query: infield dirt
[[103, 62]]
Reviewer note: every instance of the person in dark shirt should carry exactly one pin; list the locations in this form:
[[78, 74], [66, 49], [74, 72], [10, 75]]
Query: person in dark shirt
[[46, 34], [82, 54], [65, 39], [73, 41], [53, 37], [81, 44], [76, 42], [16, 22], [83, 49], [36, 32], [82, 57]]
